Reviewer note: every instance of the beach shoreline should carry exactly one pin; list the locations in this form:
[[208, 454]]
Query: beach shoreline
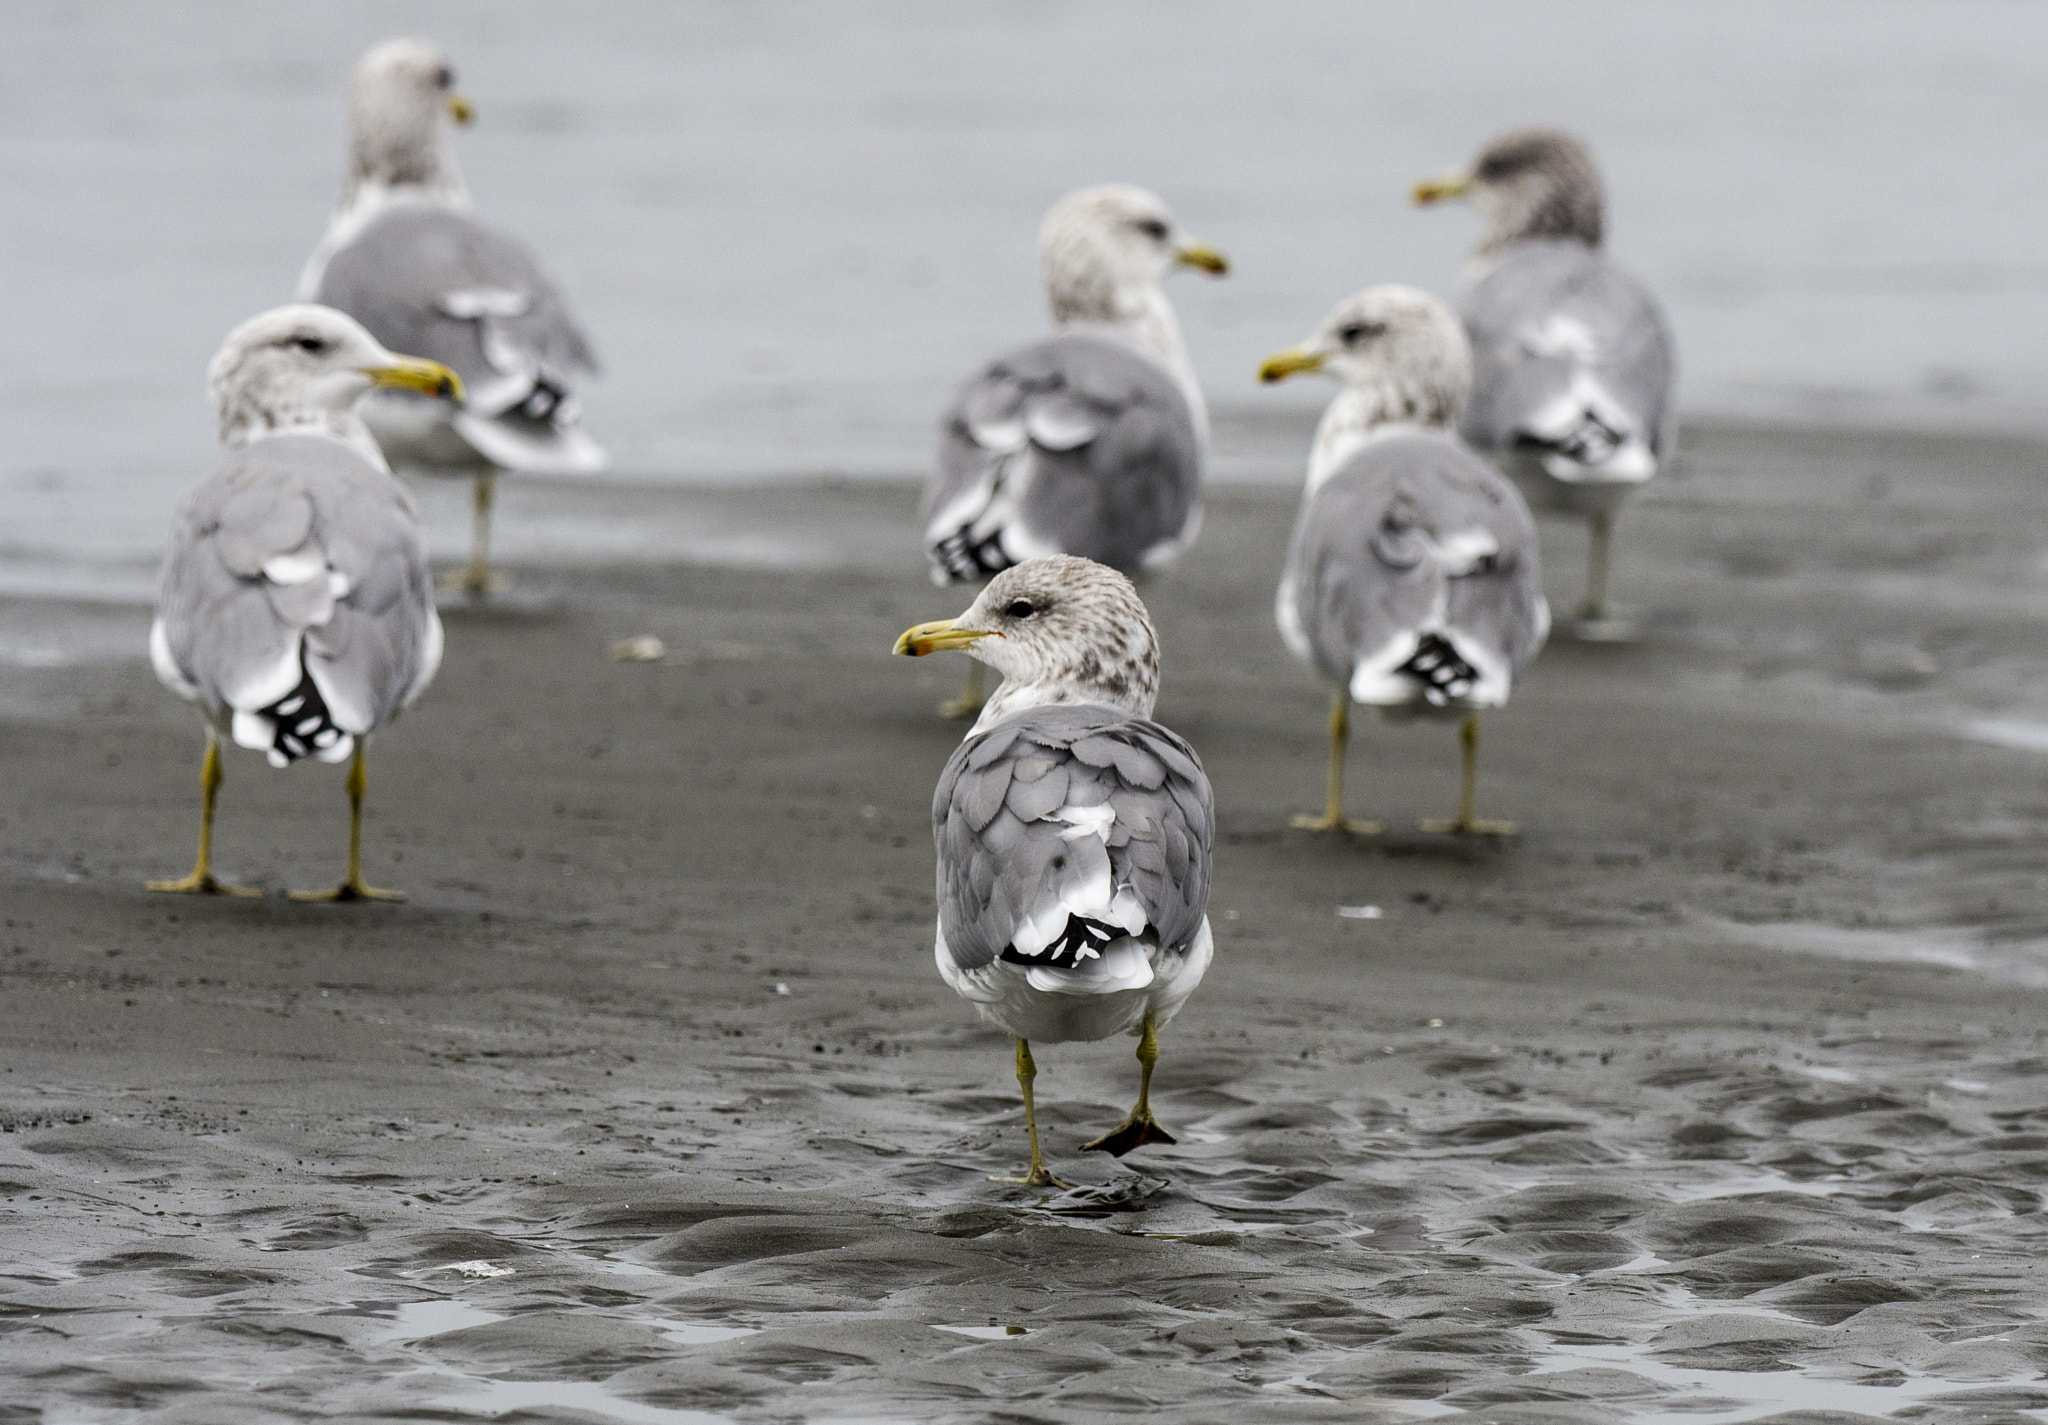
[[1721, 1079]]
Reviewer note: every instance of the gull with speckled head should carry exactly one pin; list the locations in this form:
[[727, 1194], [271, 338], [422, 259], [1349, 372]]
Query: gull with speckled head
[[1574, 369], [295, 606], [1073, 832], [1412, 580], [1089, 441], [405, 256]]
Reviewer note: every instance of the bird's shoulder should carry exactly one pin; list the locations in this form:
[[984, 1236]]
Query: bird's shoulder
[[1066, 390], [266, 497], [1046, 764], [1541, 278], [1435, 463], [435, 241]]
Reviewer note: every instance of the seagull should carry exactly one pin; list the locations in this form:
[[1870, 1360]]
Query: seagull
[[295, 608], [1073, 832], [404, 255], [1574, 368], [1412, 579], [1089, 441]]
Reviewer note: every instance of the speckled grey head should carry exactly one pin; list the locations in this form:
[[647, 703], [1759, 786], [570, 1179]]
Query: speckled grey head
[[1061, 630], [301, 368], [1101, 249], [1530, 183], [1400, 347], [398, 97]]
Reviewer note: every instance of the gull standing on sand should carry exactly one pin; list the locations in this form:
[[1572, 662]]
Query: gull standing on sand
[[404, 255], [1089, 441], [296, 608], [1073, 833], [1412, 579], [1572, 388]]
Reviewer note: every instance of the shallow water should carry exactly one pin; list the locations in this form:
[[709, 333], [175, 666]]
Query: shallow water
[[793, 228], [1411, 1222]]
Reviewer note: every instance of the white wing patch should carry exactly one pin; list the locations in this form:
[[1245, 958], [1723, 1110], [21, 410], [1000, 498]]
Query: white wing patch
[[473, 303]]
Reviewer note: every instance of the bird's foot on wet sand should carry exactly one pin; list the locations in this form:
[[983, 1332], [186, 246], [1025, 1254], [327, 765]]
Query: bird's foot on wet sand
[[1039, 1176], [1134, 1132], [1466, 826], [203, 883], [350, 890], [1326, 822]]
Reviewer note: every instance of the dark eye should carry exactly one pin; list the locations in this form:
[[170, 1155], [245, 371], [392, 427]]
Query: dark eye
[[444, 76], [1355, 332], [1152, 228], [309, 344], [1020, 608]]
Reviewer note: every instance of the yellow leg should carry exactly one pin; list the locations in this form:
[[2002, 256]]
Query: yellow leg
[[1332, 818], [1036, 1176], [1468, 823], [1594, 608], [353, 889], [478, 581], [476, 578], [201, 882], [971, 698], [1140, 1127]]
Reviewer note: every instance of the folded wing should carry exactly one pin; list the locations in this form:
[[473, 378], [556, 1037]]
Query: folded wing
[[430, 280], [1413, 576], [295, 604], [1072, 842], [1076, 444], [1572, 364]]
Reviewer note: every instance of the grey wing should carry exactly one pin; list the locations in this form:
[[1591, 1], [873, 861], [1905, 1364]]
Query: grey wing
[[1413, 535], [294, 603], [1066, 824], [432, 281], [1077, 444], [1572, 358], [382, 645]]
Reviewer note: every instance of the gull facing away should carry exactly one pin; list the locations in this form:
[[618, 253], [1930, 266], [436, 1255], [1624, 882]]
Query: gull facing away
[[1412, 580], [296, 609], [404, 255], [1073, 833], [1089, 441], [1573, 362]]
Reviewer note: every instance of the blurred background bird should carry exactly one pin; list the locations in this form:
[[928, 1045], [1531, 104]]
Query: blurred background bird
[[296, 608], [1412, 581], [1090, 441], [1573, 370], [1073, 833], [405, 256]]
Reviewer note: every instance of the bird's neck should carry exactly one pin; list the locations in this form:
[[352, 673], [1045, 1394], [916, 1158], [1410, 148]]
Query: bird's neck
[[1131, 686], [391, 158], [1566, 212], [1363, 414], [245, 426], [1140, 315]]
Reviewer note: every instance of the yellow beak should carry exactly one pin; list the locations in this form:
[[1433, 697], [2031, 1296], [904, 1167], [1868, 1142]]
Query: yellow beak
[[460, 109], [1291, 362], [937, 637], [1443, 188], [1207, 258], [415, 373]]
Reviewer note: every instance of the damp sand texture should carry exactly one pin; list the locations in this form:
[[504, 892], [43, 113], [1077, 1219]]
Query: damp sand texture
[[1714, 1096]]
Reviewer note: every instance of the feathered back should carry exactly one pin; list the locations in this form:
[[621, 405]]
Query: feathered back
[[1064, 812], [1075, 444], [1414, 535], [298, 559]]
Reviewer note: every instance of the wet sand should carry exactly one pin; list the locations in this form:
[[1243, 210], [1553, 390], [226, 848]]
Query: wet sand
[[1716, 1095]]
